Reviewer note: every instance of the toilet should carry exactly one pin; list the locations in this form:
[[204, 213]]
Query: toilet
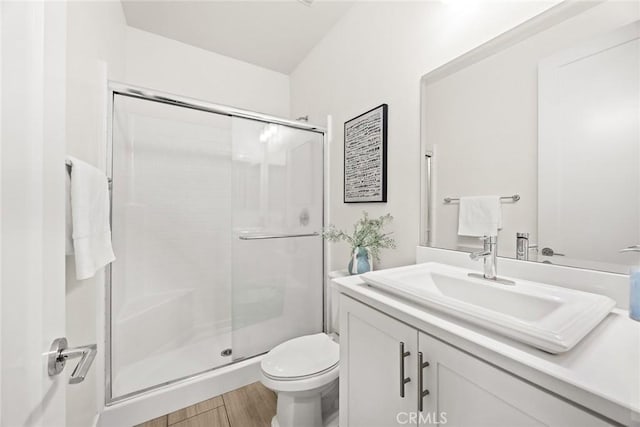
[[303, 372]]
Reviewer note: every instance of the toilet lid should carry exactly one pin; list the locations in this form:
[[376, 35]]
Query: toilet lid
[[300, 357]]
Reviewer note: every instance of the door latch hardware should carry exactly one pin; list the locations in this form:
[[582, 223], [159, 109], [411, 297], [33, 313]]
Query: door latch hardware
[[60, 353]]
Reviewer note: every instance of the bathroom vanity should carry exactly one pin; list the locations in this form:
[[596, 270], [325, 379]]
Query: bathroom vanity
[[409, 364]]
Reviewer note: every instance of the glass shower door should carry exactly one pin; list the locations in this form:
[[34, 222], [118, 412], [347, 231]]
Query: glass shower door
[[172, 230], [216, 224], [277, 256]]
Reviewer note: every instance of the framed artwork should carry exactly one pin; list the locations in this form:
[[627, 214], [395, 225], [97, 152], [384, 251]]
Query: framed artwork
[[365, 157]]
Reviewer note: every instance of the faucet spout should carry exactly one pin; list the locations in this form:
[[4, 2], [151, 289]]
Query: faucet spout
[[490, 256]]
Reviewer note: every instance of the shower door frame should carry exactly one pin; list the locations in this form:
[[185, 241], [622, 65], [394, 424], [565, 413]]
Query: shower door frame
[[116, 88]]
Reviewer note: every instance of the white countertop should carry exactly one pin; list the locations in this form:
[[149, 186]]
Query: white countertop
[[601, 373]]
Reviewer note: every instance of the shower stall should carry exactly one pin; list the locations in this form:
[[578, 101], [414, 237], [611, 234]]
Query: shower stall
[[217, 216]]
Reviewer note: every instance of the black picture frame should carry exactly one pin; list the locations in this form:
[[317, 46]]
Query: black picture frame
[[365, 157]]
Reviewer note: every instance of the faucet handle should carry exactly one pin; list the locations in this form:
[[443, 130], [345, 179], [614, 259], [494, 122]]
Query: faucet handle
[[489, 239], [634, 248]]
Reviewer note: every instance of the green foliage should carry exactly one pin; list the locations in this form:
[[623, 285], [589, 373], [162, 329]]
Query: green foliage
[[367, 233]]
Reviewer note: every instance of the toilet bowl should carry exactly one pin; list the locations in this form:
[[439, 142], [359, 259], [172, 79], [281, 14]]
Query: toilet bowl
[[304, 374]]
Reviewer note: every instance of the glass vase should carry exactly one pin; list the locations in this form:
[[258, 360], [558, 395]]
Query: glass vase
[[361, 261]]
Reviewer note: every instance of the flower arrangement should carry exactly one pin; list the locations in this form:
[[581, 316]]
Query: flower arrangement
[[367, 235]]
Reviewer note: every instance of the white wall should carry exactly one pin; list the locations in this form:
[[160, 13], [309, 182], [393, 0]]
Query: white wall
[[377, 54], [95, 44], [160, 63]]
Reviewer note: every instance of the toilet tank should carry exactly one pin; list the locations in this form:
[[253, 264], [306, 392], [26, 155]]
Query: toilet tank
[[332, 298]]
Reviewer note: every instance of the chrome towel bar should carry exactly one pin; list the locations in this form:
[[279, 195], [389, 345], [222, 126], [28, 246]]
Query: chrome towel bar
[[513, 198], [70, 165]]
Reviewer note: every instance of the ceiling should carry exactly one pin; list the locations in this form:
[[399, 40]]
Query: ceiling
[[272, 34]]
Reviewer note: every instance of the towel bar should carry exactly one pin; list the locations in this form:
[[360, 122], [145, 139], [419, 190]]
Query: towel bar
[[513, 198], [69, 166]]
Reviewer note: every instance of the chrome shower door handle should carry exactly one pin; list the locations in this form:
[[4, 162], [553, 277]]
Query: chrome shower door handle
[[275, 236], [60, 353], [421, 393], [403, 380]]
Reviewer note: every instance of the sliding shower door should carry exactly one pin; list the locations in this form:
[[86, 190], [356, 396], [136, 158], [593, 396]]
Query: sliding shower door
[[216, 224], [277, 247], [172, 230]]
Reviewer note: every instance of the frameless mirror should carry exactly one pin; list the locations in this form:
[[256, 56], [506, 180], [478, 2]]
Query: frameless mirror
[[550, 112]]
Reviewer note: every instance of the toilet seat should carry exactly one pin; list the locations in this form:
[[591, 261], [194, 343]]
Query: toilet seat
[[302, 377], [304, 374], [301, 358], [301, 364]]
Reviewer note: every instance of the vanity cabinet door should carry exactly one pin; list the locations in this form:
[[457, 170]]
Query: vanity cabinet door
[[371, 367], [465, 391]]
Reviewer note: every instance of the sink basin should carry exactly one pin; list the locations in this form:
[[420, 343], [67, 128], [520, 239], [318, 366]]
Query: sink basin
[[551, 318]]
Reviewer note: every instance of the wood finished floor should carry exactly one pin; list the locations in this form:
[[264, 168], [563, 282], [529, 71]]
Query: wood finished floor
[[250, 406]]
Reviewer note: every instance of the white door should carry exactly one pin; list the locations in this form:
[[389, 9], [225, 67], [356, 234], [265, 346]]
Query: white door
[[377, 368], [32, 288], [589, 133]]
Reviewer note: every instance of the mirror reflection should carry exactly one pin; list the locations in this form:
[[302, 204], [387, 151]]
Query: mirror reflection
[[550, 113]]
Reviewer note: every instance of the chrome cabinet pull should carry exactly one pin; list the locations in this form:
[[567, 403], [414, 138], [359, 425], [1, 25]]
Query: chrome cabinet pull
[[421, 393], [403, 380], [60, 353]]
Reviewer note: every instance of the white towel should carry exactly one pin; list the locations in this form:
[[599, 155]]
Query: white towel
[[480, 216], [90, 219], [69, 226]]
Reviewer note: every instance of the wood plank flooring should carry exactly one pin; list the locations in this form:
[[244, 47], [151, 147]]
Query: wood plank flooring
[[250, 406]]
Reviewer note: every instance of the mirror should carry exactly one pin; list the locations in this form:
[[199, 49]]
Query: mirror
[[549, 111]]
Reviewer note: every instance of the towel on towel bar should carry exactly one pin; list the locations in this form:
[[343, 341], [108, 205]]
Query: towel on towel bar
[[68, 226], [479, 216], [91, 232]]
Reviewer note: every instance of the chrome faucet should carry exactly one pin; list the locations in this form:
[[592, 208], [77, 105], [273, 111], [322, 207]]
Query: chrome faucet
[[490, 256], [523, 247]]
